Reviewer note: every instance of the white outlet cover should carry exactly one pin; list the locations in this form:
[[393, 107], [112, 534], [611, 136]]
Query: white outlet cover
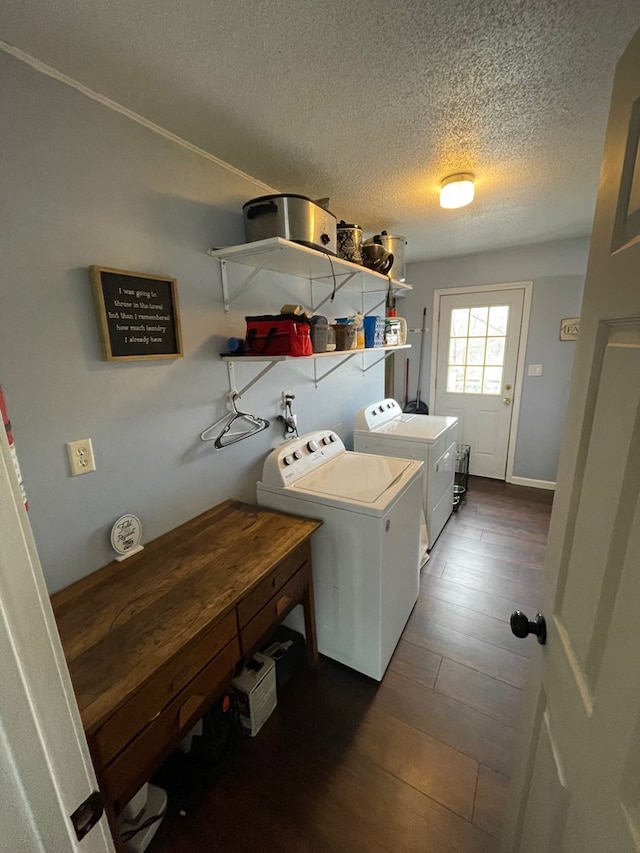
[[80, 456], [534, 370]]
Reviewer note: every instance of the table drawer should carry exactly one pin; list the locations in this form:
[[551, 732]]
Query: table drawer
[[274, 610], [134, 765], [146, 704], [258, 597]]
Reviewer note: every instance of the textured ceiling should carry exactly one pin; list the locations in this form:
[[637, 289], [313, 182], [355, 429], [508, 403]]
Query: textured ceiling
[[370, 103]]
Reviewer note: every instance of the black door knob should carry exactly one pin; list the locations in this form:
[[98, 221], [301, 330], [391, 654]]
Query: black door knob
[[522, 627]]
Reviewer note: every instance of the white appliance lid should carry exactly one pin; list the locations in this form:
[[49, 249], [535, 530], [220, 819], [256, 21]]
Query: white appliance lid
[[412, 426], [387, 418], [363, 480], [356, 477], [316, 468]]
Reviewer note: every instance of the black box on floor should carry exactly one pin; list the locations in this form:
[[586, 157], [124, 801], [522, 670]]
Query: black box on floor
[[288, 648]]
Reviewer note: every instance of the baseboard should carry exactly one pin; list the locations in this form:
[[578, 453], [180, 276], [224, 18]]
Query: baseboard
[[534, 484]]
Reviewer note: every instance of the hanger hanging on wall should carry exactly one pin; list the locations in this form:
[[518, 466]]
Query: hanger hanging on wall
[[246, 425]]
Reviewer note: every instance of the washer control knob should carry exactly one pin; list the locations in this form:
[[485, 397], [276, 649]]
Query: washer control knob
[[326, 440], [312, 445], [297, 454], [332, 437], [288, 460]]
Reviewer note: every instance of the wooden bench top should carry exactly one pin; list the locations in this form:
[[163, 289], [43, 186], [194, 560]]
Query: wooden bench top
[[119, 624]]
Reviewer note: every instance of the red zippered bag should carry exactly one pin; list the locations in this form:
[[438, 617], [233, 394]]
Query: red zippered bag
[[278, 334]]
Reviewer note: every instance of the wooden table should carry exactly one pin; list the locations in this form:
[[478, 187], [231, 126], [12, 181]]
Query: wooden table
[[152, 641]]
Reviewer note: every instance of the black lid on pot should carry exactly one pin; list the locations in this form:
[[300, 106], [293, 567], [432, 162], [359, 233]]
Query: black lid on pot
[[343, 224]]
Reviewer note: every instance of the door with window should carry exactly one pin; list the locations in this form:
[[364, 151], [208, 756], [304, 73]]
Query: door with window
[[478, 340]]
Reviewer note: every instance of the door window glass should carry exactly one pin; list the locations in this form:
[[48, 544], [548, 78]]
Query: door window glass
[[476, 349]]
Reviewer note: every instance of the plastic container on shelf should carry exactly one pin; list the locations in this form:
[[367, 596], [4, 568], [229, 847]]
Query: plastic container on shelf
[[395, 331], [319, 336], [374, 331], [357, 320], [345, 336], [236, 346]]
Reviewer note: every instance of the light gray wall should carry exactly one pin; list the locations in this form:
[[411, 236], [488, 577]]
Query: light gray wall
[[557, 270], [81, 185]]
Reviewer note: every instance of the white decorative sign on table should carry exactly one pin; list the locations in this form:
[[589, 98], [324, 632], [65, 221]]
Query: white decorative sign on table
[[126, 535]]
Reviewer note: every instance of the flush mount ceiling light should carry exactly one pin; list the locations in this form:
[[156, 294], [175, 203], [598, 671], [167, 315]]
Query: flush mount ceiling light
[[456, 191]]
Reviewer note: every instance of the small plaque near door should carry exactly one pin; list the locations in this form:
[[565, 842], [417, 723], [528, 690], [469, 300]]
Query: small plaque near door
[[569, 328]]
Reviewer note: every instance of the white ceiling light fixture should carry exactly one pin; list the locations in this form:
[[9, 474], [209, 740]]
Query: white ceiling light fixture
[[457, 191]]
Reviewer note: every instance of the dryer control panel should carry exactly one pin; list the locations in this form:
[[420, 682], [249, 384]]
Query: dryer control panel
[[298, 457], [373, 416]]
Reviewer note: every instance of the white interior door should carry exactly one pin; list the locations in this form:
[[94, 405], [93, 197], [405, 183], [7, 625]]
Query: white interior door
[[478, 341], [45, 766], [576, 785]]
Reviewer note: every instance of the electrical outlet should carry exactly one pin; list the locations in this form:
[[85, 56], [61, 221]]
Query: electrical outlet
[[287, 397], [80, 454]]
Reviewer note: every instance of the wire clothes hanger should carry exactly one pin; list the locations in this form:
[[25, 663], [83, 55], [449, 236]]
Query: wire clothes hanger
[[252, 424]]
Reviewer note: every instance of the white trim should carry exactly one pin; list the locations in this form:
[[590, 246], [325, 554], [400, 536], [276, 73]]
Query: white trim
[[50, 768], [527, 287], [48, 71], [517, 397], [535, 484]]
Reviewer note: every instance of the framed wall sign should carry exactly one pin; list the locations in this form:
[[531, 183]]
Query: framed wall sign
[[569, 328], [138, 314]]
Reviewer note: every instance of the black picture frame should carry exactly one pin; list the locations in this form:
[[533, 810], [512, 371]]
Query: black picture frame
[[138, 314]]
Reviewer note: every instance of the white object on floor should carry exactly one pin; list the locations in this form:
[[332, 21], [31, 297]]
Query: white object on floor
[[136, 804], [383, 428], [255, 689], [146, 804], [185, 743], [366, 555]]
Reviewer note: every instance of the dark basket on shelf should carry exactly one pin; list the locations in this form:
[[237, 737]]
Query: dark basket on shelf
[[461, 477], [345, 336]]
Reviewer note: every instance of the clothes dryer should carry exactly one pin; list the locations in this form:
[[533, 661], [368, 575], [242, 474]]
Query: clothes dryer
[[383, 428]]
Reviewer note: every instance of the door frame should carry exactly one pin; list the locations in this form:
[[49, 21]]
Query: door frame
[[45, 757], [527, 286]]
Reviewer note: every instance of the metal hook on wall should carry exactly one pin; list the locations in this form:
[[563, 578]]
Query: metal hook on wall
[[289, 420]]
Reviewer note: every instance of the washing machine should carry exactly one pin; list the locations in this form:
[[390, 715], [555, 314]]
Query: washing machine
[[383, 428], [366, 554]]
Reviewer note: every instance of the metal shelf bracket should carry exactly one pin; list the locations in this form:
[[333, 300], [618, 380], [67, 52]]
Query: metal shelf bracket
[[232, 377], [375, 307], [318, 379], [339, 287], [373, 364], [226, 298]]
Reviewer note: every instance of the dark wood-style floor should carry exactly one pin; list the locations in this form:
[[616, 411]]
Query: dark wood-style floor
[[419, 762]]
